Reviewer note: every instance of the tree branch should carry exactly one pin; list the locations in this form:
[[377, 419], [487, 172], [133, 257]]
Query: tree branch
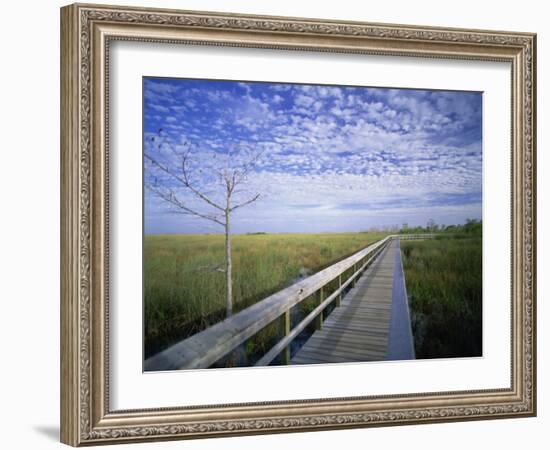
[[248, 202], [184, 180], [240, 175], [231, 176], [171, 198]]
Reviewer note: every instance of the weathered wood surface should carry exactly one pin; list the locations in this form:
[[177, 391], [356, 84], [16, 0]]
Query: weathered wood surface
[[316, 314], [401, 342], [359, 329], [205, 348], [415, 237]]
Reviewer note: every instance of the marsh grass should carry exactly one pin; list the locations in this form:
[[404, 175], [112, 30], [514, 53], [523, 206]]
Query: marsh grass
[[184, 293], [444, 285]]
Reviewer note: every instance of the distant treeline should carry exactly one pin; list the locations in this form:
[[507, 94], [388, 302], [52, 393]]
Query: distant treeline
[[472, 226]]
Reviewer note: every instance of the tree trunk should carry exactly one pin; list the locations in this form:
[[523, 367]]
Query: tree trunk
[[228, 276]]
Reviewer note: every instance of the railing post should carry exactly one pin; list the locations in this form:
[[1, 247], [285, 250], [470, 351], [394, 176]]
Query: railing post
[[355, 279], [339, 298], [285, 354], [319, 318]]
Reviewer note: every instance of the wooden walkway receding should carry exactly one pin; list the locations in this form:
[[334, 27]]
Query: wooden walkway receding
[[358, 330], [372, 321]]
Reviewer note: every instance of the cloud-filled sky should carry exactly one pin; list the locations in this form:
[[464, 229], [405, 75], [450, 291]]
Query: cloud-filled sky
[[327, 158]]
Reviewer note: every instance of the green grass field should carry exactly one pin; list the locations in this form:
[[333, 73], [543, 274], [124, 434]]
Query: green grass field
[[444, 285], [184, 293]]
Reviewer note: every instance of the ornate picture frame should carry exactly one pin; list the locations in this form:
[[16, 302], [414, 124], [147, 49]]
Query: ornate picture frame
[[87, 31]]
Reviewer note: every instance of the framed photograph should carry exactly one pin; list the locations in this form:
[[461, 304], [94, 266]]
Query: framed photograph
[[277, 224]]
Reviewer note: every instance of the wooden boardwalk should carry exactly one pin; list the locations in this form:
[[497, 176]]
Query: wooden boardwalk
[[358, 330], [372, 321]]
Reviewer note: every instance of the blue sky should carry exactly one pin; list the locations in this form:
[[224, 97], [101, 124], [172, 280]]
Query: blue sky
[[333, 158]]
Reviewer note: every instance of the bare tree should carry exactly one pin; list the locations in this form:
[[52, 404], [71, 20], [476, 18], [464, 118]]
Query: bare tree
[[210, 189]]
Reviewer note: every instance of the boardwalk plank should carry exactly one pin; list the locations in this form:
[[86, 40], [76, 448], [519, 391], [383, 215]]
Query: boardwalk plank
[[364, 340], [358, 330], [359, 347], [343, 355]]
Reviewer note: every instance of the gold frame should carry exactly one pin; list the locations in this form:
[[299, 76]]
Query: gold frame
[[86, 31]]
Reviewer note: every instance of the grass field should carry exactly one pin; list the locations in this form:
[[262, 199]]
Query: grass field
[[184, 293], [444, 285]]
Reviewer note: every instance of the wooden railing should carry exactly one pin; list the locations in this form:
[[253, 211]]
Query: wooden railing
[[210, 345], [412, 237]]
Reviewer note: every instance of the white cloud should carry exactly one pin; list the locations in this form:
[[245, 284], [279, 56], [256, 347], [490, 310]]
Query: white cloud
[[390, 153]]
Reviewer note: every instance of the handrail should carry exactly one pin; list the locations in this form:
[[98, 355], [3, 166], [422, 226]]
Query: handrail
[[208, 346], [285, 342], [412, 237]]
